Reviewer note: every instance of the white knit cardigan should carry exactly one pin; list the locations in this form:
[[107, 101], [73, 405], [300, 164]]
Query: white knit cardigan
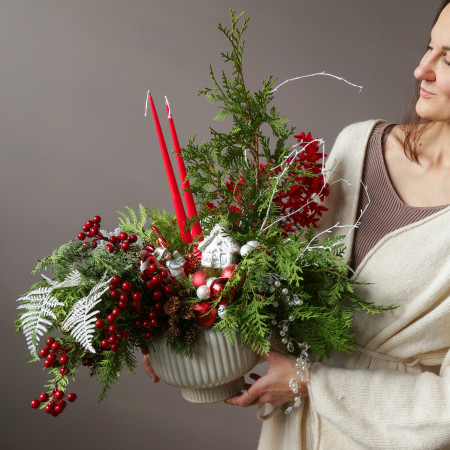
[[395, 392]]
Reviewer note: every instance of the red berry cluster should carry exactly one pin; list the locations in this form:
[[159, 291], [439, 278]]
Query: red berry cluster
[[91, 230], [55, 401], [54, 355]]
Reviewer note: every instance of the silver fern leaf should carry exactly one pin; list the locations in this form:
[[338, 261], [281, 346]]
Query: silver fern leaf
[[39, 305], [71, 280], [80, 320]]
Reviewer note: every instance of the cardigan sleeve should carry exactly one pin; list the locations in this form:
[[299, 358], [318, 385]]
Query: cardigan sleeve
[[384, 409]]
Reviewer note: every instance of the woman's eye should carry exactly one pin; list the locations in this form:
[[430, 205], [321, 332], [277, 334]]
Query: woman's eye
[[446, 61], [429, 48]]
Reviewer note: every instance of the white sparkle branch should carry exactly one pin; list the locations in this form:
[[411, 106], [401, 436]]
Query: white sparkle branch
[[316, 75]]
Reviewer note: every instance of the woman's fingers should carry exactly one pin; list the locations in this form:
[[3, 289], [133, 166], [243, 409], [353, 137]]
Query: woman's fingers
[[149, 369], [255, 376]]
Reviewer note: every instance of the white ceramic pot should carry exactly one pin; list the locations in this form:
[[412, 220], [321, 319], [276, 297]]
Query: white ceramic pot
[[214, 373]]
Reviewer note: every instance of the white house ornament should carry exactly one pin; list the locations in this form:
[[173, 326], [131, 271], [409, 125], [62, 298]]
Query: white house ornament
[[218, 249]]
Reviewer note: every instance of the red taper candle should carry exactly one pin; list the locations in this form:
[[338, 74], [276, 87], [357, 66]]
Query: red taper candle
[[176, 198], [188, 197]]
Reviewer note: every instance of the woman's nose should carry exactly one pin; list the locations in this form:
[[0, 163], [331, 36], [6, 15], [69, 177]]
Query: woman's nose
[[425, 70]]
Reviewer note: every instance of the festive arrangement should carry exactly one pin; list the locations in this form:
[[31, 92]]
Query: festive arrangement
[[245, 260]]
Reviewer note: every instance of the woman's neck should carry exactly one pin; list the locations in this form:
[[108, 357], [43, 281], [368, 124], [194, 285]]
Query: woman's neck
[[434, 147]]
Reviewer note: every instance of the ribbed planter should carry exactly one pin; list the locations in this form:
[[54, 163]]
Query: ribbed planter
[[214, 373]]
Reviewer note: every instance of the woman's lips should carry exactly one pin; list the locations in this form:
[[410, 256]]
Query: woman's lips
[[424, 93]]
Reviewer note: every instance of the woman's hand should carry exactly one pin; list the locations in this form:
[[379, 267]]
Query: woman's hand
[[147, 365], [273, 387]]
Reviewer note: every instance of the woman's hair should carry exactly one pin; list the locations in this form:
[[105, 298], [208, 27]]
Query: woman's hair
[[413, 132]]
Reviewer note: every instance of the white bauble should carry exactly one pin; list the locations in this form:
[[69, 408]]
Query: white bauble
[[203, 292], [254, 243], [221, 311], [209, 281], [246, 249]]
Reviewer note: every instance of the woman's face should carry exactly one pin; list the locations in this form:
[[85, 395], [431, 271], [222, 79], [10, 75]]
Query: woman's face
[[434, 73]]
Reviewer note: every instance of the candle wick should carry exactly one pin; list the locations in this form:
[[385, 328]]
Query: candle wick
[[146, 103], [169, 113]]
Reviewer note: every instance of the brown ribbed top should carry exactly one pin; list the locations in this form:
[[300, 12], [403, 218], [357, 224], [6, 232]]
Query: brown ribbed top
[[386, 212]]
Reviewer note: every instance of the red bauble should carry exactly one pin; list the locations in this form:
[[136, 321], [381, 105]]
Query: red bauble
[[199, 278], [217, 287], [201, 319], [229, 271]]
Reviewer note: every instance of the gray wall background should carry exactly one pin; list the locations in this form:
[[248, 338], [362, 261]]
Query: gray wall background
[[74, 142]]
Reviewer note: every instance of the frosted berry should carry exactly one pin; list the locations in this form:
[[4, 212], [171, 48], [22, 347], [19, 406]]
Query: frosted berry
[[35, 403]]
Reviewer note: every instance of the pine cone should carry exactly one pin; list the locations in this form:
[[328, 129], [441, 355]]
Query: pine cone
[[188, 293], [173, 333], [172, 305], [187, 311], [190, 335], [174, 320], [190, 266]]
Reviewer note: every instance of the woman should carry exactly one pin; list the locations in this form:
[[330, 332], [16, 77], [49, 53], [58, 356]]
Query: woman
[[394, 392]]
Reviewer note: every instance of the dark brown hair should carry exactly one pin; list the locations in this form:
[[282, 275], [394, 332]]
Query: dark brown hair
[[413, 132]]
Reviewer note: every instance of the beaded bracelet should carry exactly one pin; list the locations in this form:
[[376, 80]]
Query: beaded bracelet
[[302, 364]]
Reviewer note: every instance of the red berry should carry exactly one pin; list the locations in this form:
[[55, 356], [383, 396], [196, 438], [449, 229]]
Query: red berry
[[153, 322], [126, 334], [43, 352], [148, 335], [112, 328], [132, 238], [63, 370], [152, 267], [150, 284], [115, 347], [111, 318], [120, 336], [122, 304], [108, 247], [123, 236], [58, 409], [158, 306], [113, 287], [93, 244], [95, 228], [155, 279], [146, 323], [85, 228], [136, 305], [112, 239], [71, 397], [125, 246], [48, 363], [123, 296], [35, 403], [51, 357], [138, 324], [43, 397], [81, 236], [137, 295], [105, 343], [99, 323], [126, 286], [54, 413], [152, 315], [56, 345], [96, 219], [163, 273], [114, 294], [48, 409], [168, 289], [49, 342], [117, 312], [89, 233], [112, 340], [116, 279], [58, 395], [87, 245], [157, 295], [62, 403], [63, 360], [89, 223]]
